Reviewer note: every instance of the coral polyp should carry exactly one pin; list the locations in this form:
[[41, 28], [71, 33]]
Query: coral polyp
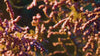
[[64, 28]]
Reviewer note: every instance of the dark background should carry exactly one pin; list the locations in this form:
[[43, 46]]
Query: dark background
[[19, 8]]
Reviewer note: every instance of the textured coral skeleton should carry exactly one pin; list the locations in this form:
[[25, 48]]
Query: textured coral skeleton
[[16, 40], [73, 25]]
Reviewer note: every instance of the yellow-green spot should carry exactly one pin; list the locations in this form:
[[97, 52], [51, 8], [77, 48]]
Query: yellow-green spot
[[19, 35], [31, 32], [15, 49], [1, 29], [76, 15], [2, 46]]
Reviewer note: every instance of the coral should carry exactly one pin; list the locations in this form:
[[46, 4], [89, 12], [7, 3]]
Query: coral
[[15, 40], [75, 28]]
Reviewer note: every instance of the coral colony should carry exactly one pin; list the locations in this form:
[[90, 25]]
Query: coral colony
[[73, 26]]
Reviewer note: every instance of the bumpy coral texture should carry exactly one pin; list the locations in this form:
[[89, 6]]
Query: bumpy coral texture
[[76, 30]]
